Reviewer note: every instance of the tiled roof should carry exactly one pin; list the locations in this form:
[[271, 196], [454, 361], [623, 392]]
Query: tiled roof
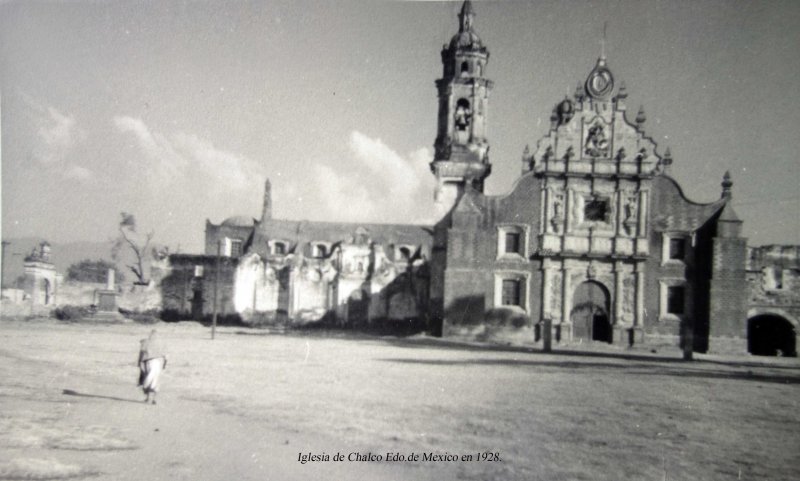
[[675, 212]]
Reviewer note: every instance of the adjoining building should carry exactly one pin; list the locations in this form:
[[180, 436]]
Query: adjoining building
[[348, 273], [594, 236]]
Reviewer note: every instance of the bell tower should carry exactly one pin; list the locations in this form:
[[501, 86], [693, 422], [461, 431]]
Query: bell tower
[[462, 150]]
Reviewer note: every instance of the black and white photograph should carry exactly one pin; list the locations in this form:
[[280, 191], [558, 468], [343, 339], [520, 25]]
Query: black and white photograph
[[550, 240]]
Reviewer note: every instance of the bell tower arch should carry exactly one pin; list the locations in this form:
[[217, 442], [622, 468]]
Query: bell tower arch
[[461, 146]]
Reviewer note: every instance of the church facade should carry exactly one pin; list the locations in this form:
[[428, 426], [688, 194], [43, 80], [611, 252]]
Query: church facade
[[594, 237]]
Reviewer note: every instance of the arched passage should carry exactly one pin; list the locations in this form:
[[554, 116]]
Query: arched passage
[[357, 307], [590, 312], [47, 291], [771, 335]]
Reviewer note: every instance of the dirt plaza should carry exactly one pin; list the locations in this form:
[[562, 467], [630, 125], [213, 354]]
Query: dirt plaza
[[256, 405]]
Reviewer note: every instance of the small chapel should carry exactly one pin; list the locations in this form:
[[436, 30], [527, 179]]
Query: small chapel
[[594, 237]]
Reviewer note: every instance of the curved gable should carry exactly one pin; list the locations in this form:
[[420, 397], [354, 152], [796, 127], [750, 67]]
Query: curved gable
[[673, 211]]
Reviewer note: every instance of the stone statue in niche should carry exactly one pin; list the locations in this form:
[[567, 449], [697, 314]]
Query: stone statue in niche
[[591, 271], [629, 223], [596, 144], [557, 220]]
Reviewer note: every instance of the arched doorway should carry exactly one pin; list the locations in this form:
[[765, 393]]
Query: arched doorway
[[771, 335], [357, 307], [590, 312], [47, 292]]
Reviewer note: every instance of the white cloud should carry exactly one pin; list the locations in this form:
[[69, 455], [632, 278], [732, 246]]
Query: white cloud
[[58, 134], [231, 170], [344, 197], [163, 164], [184, 157], [389, 188]]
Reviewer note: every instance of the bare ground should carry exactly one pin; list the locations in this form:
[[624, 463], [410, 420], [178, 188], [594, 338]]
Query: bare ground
[[245, 405]]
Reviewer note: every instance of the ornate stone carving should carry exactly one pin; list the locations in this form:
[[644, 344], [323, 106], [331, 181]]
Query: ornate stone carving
[[628, 296], [548, 154], [557, 219], [629, 211], [600, 83], [597, 144]]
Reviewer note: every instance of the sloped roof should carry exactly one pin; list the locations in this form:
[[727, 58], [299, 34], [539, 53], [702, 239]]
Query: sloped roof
[[728, 214], [308, 231], [676, 212], [239, 221]]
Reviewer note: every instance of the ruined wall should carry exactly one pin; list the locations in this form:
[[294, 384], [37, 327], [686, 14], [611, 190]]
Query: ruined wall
[[773, 278], [187, 291]]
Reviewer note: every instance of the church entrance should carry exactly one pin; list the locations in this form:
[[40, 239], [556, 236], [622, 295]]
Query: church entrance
[[771, 335], [590, 312], [197, 304], [358, 308]]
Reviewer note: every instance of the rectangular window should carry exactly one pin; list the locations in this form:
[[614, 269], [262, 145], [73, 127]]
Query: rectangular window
[[596, 209], [512, 292], [778, 278], [512, 243], [774, 276], [675, 299], [677, 249], [236, 247]]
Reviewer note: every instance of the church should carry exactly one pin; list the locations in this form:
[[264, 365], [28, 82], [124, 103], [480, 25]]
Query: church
[[594, 237]]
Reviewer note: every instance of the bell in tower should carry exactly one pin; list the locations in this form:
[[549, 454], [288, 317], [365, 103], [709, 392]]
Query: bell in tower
[[461, 146]]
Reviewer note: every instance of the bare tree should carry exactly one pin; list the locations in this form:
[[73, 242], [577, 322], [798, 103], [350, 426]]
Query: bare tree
[[136, 243]]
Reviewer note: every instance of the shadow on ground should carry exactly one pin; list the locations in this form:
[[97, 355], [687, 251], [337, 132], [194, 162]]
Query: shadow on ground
[[637, 369], [70, 392]]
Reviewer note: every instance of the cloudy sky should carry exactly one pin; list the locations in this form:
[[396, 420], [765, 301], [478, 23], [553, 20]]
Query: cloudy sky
[[177, 111]]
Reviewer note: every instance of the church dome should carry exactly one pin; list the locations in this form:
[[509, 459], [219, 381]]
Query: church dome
[[467, 39], [239, 221]]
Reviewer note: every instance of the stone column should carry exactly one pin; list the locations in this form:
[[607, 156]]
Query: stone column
[[619, 328], [642, 214], [638, 321], [568, 203], [566, 296], [619, 297], [546, 288], [548, 226], [110, 280]]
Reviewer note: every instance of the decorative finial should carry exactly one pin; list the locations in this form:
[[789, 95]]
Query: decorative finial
[[466, 17], [579, 92], [666, 160], [727, 183], [569, 154], [623, 92], [640, 117], [603, 42]]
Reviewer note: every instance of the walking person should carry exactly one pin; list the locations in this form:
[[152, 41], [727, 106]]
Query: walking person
[[152, 362]]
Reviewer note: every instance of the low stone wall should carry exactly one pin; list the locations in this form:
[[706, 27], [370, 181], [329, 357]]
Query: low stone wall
[[77, 293]]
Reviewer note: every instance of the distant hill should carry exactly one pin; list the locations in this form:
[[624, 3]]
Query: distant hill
[[62, 255]]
